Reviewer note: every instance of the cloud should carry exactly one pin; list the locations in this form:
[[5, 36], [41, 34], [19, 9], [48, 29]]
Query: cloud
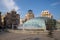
[[55, 4], [10, 4]]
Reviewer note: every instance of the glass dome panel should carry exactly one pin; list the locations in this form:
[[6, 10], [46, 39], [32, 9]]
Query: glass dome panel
[[36, 23]]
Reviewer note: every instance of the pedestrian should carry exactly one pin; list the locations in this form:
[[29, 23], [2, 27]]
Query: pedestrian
[[50, 31]]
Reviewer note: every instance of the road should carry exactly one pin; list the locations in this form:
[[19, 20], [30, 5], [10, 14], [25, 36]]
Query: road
[[18, 36]]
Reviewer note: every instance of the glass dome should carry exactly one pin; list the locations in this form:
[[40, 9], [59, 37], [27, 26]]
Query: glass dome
[[36, 23]]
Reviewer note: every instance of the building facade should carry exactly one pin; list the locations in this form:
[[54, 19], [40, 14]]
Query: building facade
[[12, 19], [0, 21], [29, 15], [46, 13], [22, 21]]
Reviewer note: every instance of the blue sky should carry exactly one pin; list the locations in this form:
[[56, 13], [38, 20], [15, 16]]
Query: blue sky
[[22, 6]]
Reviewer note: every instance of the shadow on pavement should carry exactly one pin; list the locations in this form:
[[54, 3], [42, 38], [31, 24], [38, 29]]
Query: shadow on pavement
[[32, 38], [4, 32]]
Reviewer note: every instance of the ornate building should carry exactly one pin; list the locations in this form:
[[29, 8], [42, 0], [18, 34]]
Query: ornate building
[[46, 13], [29, 15], [7, 20], [12, 19]]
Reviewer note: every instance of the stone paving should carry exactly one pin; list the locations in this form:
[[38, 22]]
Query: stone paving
[[19, 36]]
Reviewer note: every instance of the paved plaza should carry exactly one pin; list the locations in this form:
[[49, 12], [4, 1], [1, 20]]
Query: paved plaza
[[19, 36]]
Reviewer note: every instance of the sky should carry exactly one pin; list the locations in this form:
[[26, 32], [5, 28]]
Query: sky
[[22, 7]]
